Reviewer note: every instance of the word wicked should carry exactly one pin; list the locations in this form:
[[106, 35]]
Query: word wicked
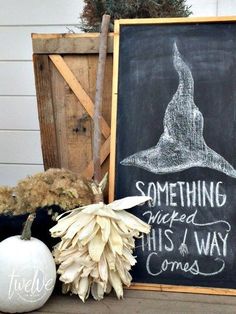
[[161, 217]]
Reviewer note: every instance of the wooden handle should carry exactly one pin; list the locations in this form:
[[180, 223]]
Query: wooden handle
[[98, 98]]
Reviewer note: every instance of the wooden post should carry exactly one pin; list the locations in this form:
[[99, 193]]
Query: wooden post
[[98, 98]]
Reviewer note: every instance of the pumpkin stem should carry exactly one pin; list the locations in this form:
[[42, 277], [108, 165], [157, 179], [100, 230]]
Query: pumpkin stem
[[26, 233]]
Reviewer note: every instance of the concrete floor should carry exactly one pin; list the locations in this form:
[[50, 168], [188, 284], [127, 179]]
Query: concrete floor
[[142, 302]]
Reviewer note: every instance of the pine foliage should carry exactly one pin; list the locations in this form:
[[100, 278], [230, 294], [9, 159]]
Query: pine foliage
[[94, 9]]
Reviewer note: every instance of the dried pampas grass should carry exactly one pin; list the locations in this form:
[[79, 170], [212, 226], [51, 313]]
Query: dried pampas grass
[[53, 187], [7, 200], [97, 242]]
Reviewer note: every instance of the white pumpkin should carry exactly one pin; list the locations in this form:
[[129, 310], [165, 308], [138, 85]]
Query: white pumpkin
[[27, 272]]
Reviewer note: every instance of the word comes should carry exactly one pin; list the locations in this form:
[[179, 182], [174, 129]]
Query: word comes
[[186, 267], [180, 193]]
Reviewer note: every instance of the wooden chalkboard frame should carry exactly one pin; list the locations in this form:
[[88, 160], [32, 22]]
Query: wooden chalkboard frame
[[112, 170]]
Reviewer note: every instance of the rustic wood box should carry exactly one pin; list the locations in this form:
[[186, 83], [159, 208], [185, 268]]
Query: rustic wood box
[[65, 67]]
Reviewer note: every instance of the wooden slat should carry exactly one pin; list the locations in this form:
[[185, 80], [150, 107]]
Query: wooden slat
[[112, 169], [186, 289], [46, 113], [79, 123], [79, 91], [60, 119], [68, 43], [73, 124], [176, 20], [77, 145]]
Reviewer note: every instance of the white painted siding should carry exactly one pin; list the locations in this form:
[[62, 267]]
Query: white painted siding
[[213, 7], [11, 173], [40, 12], [226, 7], [17, 40], [203, 7], [24, 148], [20, 153], [18, 113], [16, 78]]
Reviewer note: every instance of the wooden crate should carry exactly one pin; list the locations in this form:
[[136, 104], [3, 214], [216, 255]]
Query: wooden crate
[[65, 68]]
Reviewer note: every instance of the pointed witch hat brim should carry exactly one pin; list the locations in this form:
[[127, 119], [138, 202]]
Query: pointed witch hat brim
[[182, 145]]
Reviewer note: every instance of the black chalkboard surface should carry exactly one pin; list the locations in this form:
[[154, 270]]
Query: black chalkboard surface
[[174, 139]]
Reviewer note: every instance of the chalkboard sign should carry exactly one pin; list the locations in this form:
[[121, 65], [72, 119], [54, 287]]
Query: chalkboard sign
[[174, 139]]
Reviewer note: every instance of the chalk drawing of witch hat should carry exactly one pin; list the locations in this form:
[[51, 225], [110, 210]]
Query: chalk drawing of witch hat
[[181, 145]]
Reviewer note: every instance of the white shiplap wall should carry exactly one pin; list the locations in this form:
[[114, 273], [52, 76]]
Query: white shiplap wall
[[213, 7], [20, 151]]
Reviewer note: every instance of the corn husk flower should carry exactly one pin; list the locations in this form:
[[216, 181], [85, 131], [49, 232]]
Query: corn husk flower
[[97, 242]]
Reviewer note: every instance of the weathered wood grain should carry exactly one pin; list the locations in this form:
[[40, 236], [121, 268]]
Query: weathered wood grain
[[46, 111], [97, 134], [78, 121], [68, 43], [78, 89], [73, 100], [58, 100], [106, 106]]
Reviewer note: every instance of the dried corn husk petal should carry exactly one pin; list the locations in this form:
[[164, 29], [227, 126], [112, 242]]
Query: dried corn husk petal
[[104, 224], [96, 247], [116, 283], [97, 291], [103, 268], [95, 251], [83, 288], [128, 202]]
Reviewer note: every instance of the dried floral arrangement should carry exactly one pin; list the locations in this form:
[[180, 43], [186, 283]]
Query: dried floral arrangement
[[96, 247], [7, 200], [60, 187]]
